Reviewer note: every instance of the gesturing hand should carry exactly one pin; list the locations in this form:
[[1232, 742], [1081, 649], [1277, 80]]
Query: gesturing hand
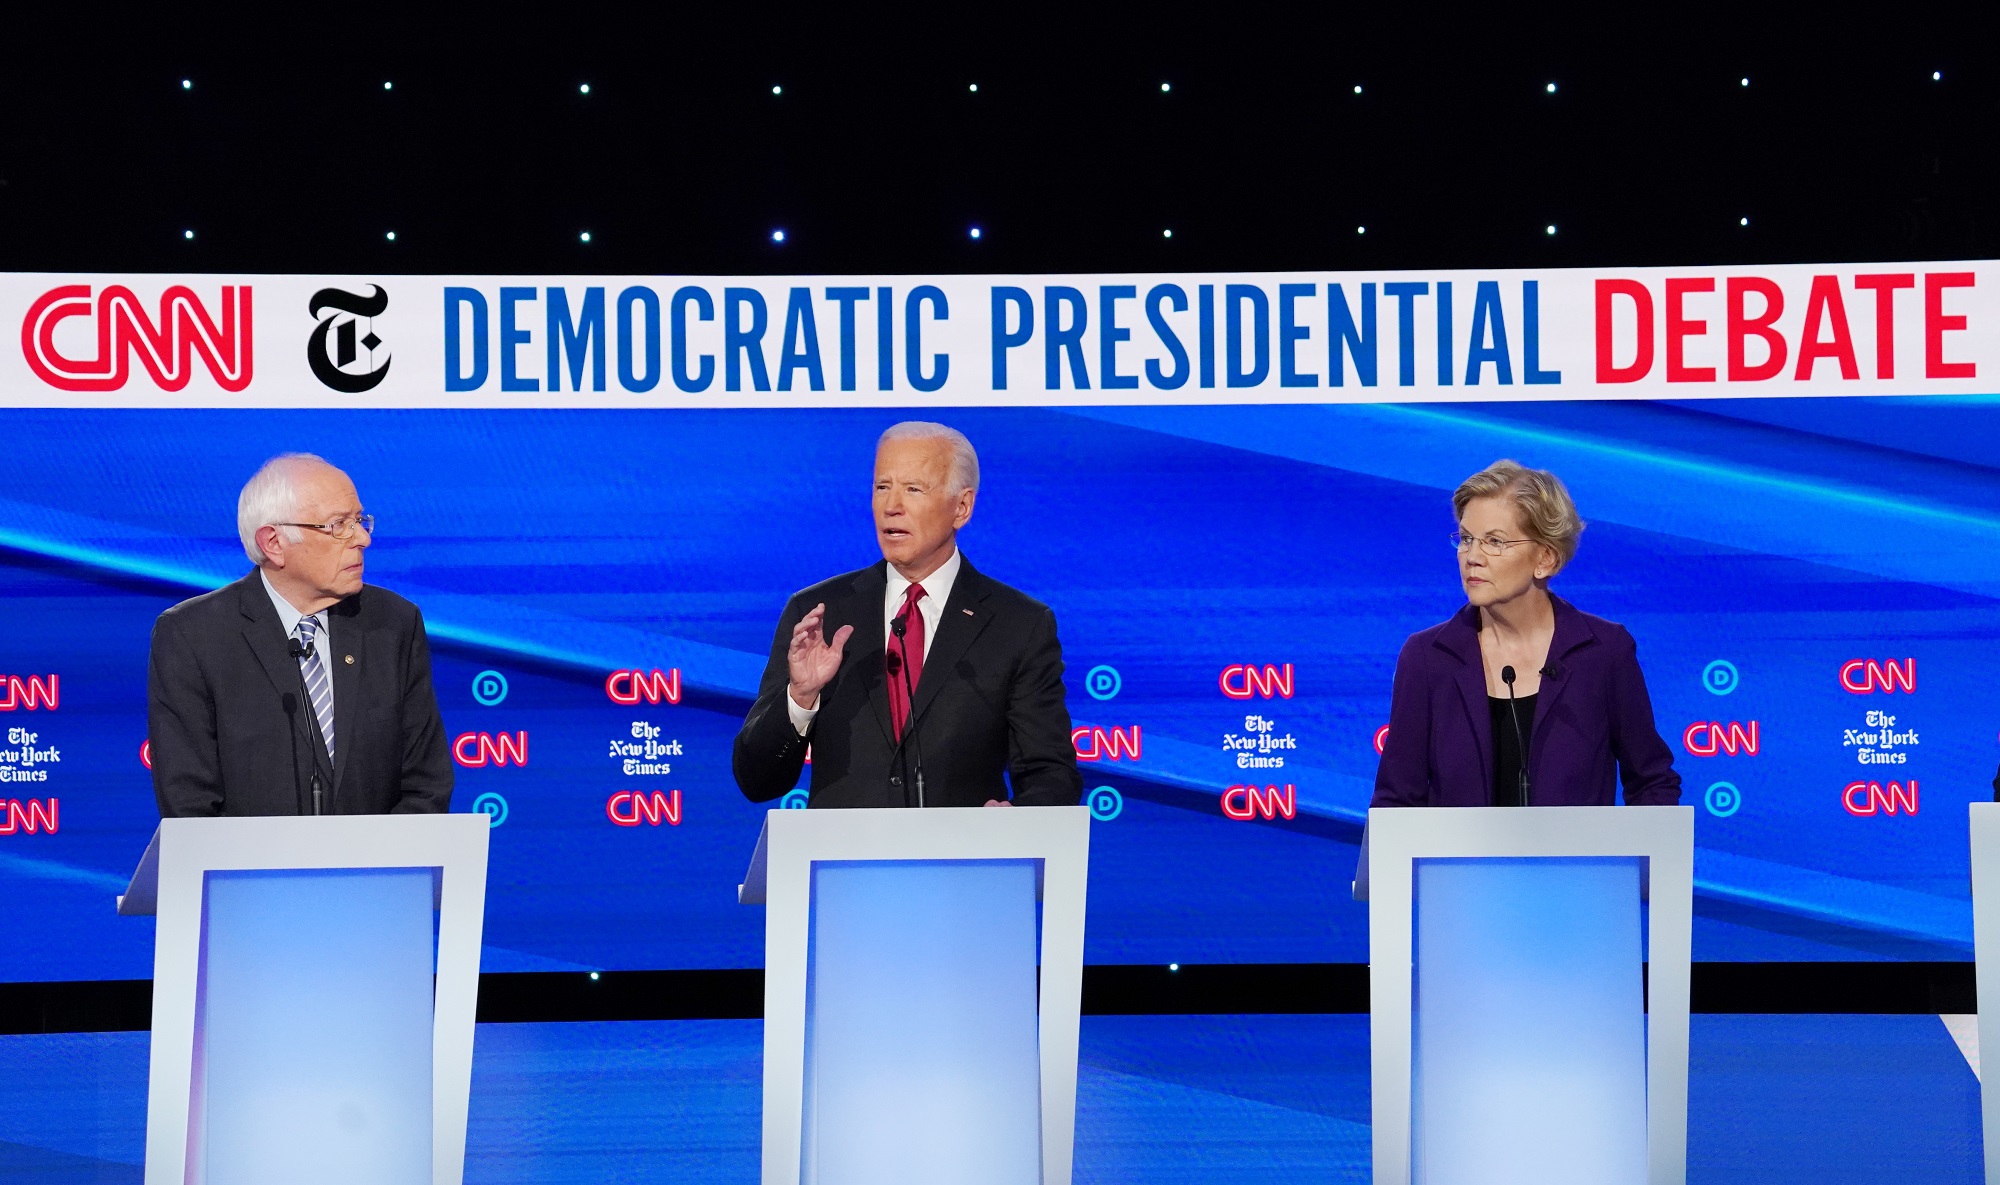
[[812, 660]]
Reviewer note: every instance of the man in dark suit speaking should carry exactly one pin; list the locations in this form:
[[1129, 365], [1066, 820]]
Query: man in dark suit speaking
[[296, 690], [939, 686]]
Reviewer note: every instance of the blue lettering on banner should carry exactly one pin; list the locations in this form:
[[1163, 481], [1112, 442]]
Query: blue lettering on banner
[[631, 380], [1531, 332], [847, 298], [885, 340], [741, 341], [1406, 293], [705, 310], [1444, 333], [1206, 322], [1175, 295], [455, 376], [1486, 312], [574, 338], [1110, 333], [1005, 339], [800, 347], [1343, 339], [1234, 298], [1065, 340], [913, 337], [512, 338], [1290, 334]]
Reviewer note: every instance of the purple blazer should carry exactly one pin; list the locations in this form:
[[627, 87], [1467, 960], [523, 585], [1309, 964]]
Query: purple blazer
[[1593, 721]]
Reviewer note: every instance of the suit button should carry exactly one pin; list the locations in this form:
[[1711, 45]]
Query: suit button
[[895, 781]]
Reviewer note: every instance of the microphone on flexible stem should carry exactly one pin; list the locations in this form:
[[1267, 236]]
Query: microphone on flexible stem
[[301, 652], [900, 626], [290, 703], [1520, 745]]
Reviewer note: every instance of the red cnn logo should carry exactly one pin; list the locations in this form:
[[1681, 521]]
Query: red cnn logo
[[1864, 675], [165, 348], [476, 749], [628, 808], [32, 816], [1248, 802], [1706, 738], [1242, 681], [629, 687], [28, 694], [1096, 744], [1870, 798]]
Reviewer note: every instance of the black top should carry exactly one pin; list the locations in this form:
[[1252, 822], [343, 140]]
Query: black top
[[1510, 752]]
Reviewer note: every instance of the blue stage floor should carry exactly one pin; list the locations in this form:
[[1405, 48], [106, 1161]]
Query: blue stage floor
[[1827, 1100]]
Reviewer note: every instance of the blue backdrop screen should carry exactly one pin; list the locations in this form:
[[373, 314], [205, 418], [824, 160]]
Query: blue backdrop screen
[[1810, 582]]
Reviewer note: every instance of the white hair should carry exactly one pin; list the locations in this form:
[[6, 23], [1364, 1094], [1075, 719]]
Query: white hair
[[271, 496], [964, 460]]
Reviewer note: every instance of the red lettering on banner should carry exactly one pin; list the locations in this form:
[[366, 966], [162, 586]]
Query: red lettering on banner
[[18, 694], [1864, 675], [1608, 371], [1743, 326], [1875, 799], [1381, 738], [1884, 286], [1093, 744], [628, 687], [489, 749], [1680, 327], [1248, 802], [146, 753], [1937, 324], [165, 349], [1250, 680], [1824, 305], [628, 807], [32, 816], [1706, 738]]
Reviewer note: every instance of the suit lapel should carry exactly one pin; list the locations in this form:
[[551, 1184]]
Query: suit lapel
[[965, 617], [345, 639], [1462, 642], [265, 635], [862, 662], [1570, 634]]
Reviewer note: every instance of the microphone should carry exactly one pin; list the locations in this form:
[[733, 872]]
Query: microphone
[[900, 627], [300, 652], [290, 703], [1507, 677]]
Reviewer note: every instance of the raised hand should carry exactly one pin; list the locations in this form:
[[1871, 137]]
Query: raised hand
[[812, 660]]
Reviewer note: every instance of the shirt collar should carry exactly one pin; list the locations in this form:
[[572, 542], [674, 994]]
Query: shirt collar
[[288, 616], [937, 586]]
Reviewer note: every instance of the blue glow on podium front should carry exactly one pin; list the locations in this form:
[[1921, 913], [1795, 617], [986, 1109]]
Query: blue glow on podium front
[[922, 1026], [1529, 1025], [313, 1030]]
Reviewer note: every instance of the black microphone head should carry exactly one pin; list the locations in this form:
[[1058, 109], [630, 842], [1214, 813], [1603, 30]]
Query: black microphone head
[[289, 702], [302, 649], [897, 625], [893, 663], [1507, 675]]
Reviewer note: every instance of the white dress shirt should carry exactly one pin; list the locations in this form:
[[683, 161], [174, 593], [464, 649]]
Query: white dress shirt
[[290, 617], [937, 590]]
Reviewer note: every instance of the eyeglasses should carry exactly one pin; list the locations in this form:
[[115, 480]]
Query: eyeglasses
[[1491, 544], [340, 528]]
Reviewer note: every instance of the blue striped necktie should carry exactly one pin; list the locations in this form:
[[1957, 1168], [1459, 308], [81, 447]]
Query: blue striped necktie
[[318, 686]]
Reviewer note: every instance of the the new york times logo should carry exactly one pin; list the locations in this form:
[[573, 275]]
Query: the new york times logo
[[330, 366]]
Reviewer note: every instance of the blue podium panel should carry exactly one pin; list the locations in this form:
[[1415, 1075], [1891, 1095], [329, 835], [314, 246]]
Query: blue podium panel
[[1529, 1025], [922, 1039], [313, 1029]]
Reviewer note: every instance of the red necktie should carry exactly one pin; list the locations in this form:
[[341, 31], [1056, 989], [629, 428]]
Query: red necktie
[[906, 652]]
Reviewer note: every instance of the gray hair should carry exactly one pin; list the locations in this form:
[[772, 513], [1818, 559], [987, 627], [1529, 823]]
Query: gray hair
[[1539, 497], [271, 497], [964, 461]]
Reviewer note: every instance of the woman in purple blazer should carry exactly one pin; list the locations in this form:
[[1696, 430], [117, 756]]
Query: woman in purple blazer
[[1520, 669]]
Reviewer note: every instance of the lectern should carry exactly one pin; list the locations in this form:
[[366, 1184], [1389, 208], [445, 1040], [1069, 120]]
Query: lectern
[[908, 1036], [1529, 1003], [297, 1035]]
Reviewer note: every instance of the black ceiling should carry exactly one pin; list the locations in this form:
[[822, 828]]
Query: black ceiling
[[287, 153]]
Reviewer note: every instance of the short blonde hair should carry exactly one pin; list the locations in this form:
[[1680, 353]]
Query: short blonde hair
[[1547, 514]]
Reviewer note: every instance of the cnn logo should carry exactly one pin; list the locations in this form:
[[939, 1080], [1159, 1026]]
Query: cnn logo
[[1864, 676], [476, 750]]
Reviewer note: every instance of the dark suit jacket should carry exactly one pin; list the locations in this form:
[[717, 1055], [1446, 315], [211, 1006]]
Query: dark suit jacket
[[991, 699], [1593, 721], [223, 744]]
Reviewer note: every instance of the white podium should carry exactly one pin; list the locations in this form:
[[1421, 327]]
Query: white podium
[[907, 1040], [298, 1035], [1529, 1021], [1985, 823]]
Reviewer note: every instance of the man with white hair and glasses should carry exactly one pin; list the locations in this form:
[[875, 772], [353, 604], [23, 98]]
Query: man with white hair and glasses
[[297, 690], [917, 681]]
